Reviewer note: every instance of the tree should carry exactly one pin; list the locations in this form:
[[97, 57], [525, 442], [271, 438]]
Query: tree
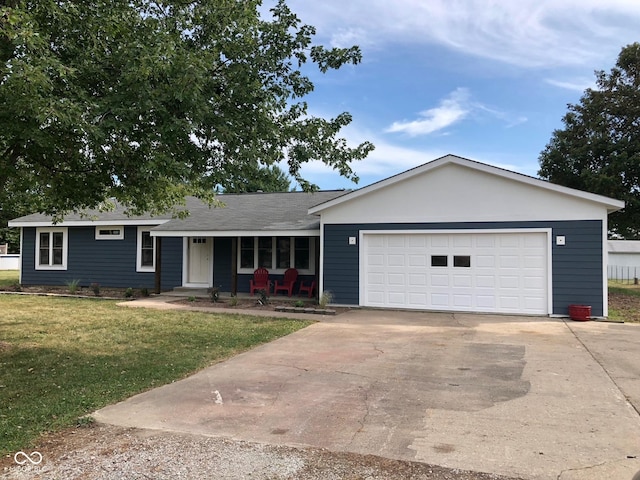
[[254, 178], [598, 150], [147, 101]]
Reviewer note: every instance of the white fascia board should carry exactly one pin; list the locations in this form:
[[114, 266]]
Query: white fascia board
[[611, 204], [235, 233], [90, 223]]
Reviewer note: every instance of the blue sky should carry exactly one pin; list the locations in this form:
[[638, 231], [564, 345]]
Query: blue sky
[[484, 79]]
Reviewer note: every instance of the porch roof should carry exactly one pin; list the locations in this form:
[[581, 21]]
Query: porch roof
[[251, 212]]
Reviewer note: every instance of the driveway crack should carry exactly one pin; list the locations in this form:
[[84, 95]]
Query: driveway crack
[[595, 358], [559, 477]]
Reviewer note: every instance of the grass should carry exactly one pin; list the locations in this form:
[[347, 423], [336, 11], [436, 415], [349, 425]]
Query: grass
[[61, 359], [9, 277]]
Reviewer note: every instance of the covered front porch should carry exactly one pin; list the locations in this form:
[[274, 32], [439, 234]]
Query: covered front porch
[[227, 263]]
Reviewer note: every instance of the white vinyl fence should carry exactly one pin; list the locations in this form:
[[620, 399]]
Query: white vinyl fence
[[10, 262]]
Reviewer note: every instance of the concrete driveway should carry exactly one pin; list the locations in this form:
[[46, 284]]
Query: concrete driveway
[[531, 397]]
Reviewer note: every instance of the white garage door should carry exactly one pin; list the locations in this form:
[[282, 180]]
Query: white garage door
[[478, 272]]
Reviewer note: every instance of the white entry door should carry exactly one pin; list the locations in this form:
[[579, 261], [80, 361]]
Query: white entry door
[[200, 254], [477, 272]]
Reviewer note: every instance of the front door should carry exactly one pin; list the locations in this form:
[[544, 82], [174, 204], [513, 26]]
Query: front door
[[199, 260]]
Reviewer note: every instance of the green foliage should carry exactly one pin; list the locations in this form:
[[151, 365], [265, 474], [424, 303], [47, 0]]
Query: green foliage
[[214, 294], [144, 291], [325, 299], [233, 301], [128, 293], [64, 358], [263, 298], [299, 304], [95, 288], [254, 178], [598, 150], [73, 286], [146, 102]]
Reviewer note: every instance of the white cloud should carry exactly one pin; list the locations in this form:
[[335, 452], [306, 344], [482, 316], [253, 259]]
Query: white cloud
[[576, 85], [452, 109], [532, 33]]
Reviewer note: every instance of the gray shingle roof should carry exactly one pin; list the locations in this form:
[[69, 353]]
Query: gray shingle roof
[[255, 212], [239, 212]]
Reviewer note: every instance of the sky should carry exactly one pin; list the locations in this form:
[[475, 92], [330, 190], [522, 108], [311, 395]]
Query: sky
[[488, 80]]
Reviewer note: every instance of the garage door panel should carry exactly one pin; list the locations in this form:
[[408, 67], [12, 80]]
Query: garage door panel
[[417, 261], [501, 272], [440, 280], [440, 300]]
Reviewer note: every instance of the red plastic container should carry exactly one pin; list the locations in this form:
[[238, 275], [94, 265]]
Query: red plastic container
[[580, 313]]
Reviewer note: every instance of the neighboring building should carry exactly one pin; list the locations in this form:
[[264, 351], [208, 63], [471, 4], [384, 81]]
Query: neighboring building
[[623, 259], [452, 235]]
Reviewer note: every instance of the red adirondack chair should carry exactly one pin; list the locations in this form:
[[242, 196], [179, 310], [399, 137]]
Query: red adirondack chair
[[286, 285], [307, 288], [260, 281]]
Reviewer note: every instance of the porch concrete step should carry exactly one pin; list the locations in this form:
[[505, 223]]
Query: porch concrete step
[[187, 292]]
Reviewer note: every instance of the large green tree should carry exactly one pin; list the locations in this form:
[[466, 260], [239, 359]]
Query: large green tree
[[148, 101], [256, 178], [598, 150]]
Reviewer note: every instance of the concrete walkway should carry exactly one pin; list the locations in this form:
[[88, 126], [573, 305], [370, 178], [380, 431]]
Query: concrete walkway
[[536, 398]]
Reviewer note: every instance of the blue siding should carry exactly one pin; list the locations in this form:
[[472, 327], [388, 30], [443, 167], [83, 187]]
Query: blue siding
[[222, 263], [577, 266], [111, 263]]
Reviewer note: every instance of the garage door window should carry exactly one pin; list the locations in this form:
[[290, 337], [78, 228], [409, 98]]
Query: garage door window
[[438, 260], [462, 261]]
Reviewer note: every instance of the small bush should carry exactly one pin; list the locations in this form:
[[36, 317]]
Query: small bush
[[325, 299], [192, 298], [73, 286], [144, 291], [233, 301], [264, 297], [128, 293], [214, 294], [95, 288], [299, 304]]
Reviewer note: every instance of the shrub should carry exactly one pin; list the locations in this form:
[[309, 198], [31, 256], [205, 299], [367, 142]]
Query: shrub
[[325, 299], [234, 301], [73, 286], [299, 304], [214, 294], [95, 288], [144, 291], [264, 297], [128, 293]]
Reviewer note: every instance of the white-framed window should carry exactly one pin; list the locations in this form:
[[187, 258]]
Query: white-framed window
[[110, 232], [146, 251], [276, 254], [52, 245]]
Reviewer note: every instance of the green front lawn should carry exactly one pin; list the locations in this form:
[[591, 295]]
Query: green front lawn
[[61, 359], [9, 278]]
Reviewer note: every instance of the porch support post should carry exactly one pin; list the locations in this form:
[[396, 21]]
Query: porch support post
[[158, 275], [316, 260], [234, 266]]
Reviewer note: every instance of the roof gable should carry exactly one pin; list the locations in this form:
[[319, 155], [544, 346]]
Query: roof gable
[[471, 181]]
